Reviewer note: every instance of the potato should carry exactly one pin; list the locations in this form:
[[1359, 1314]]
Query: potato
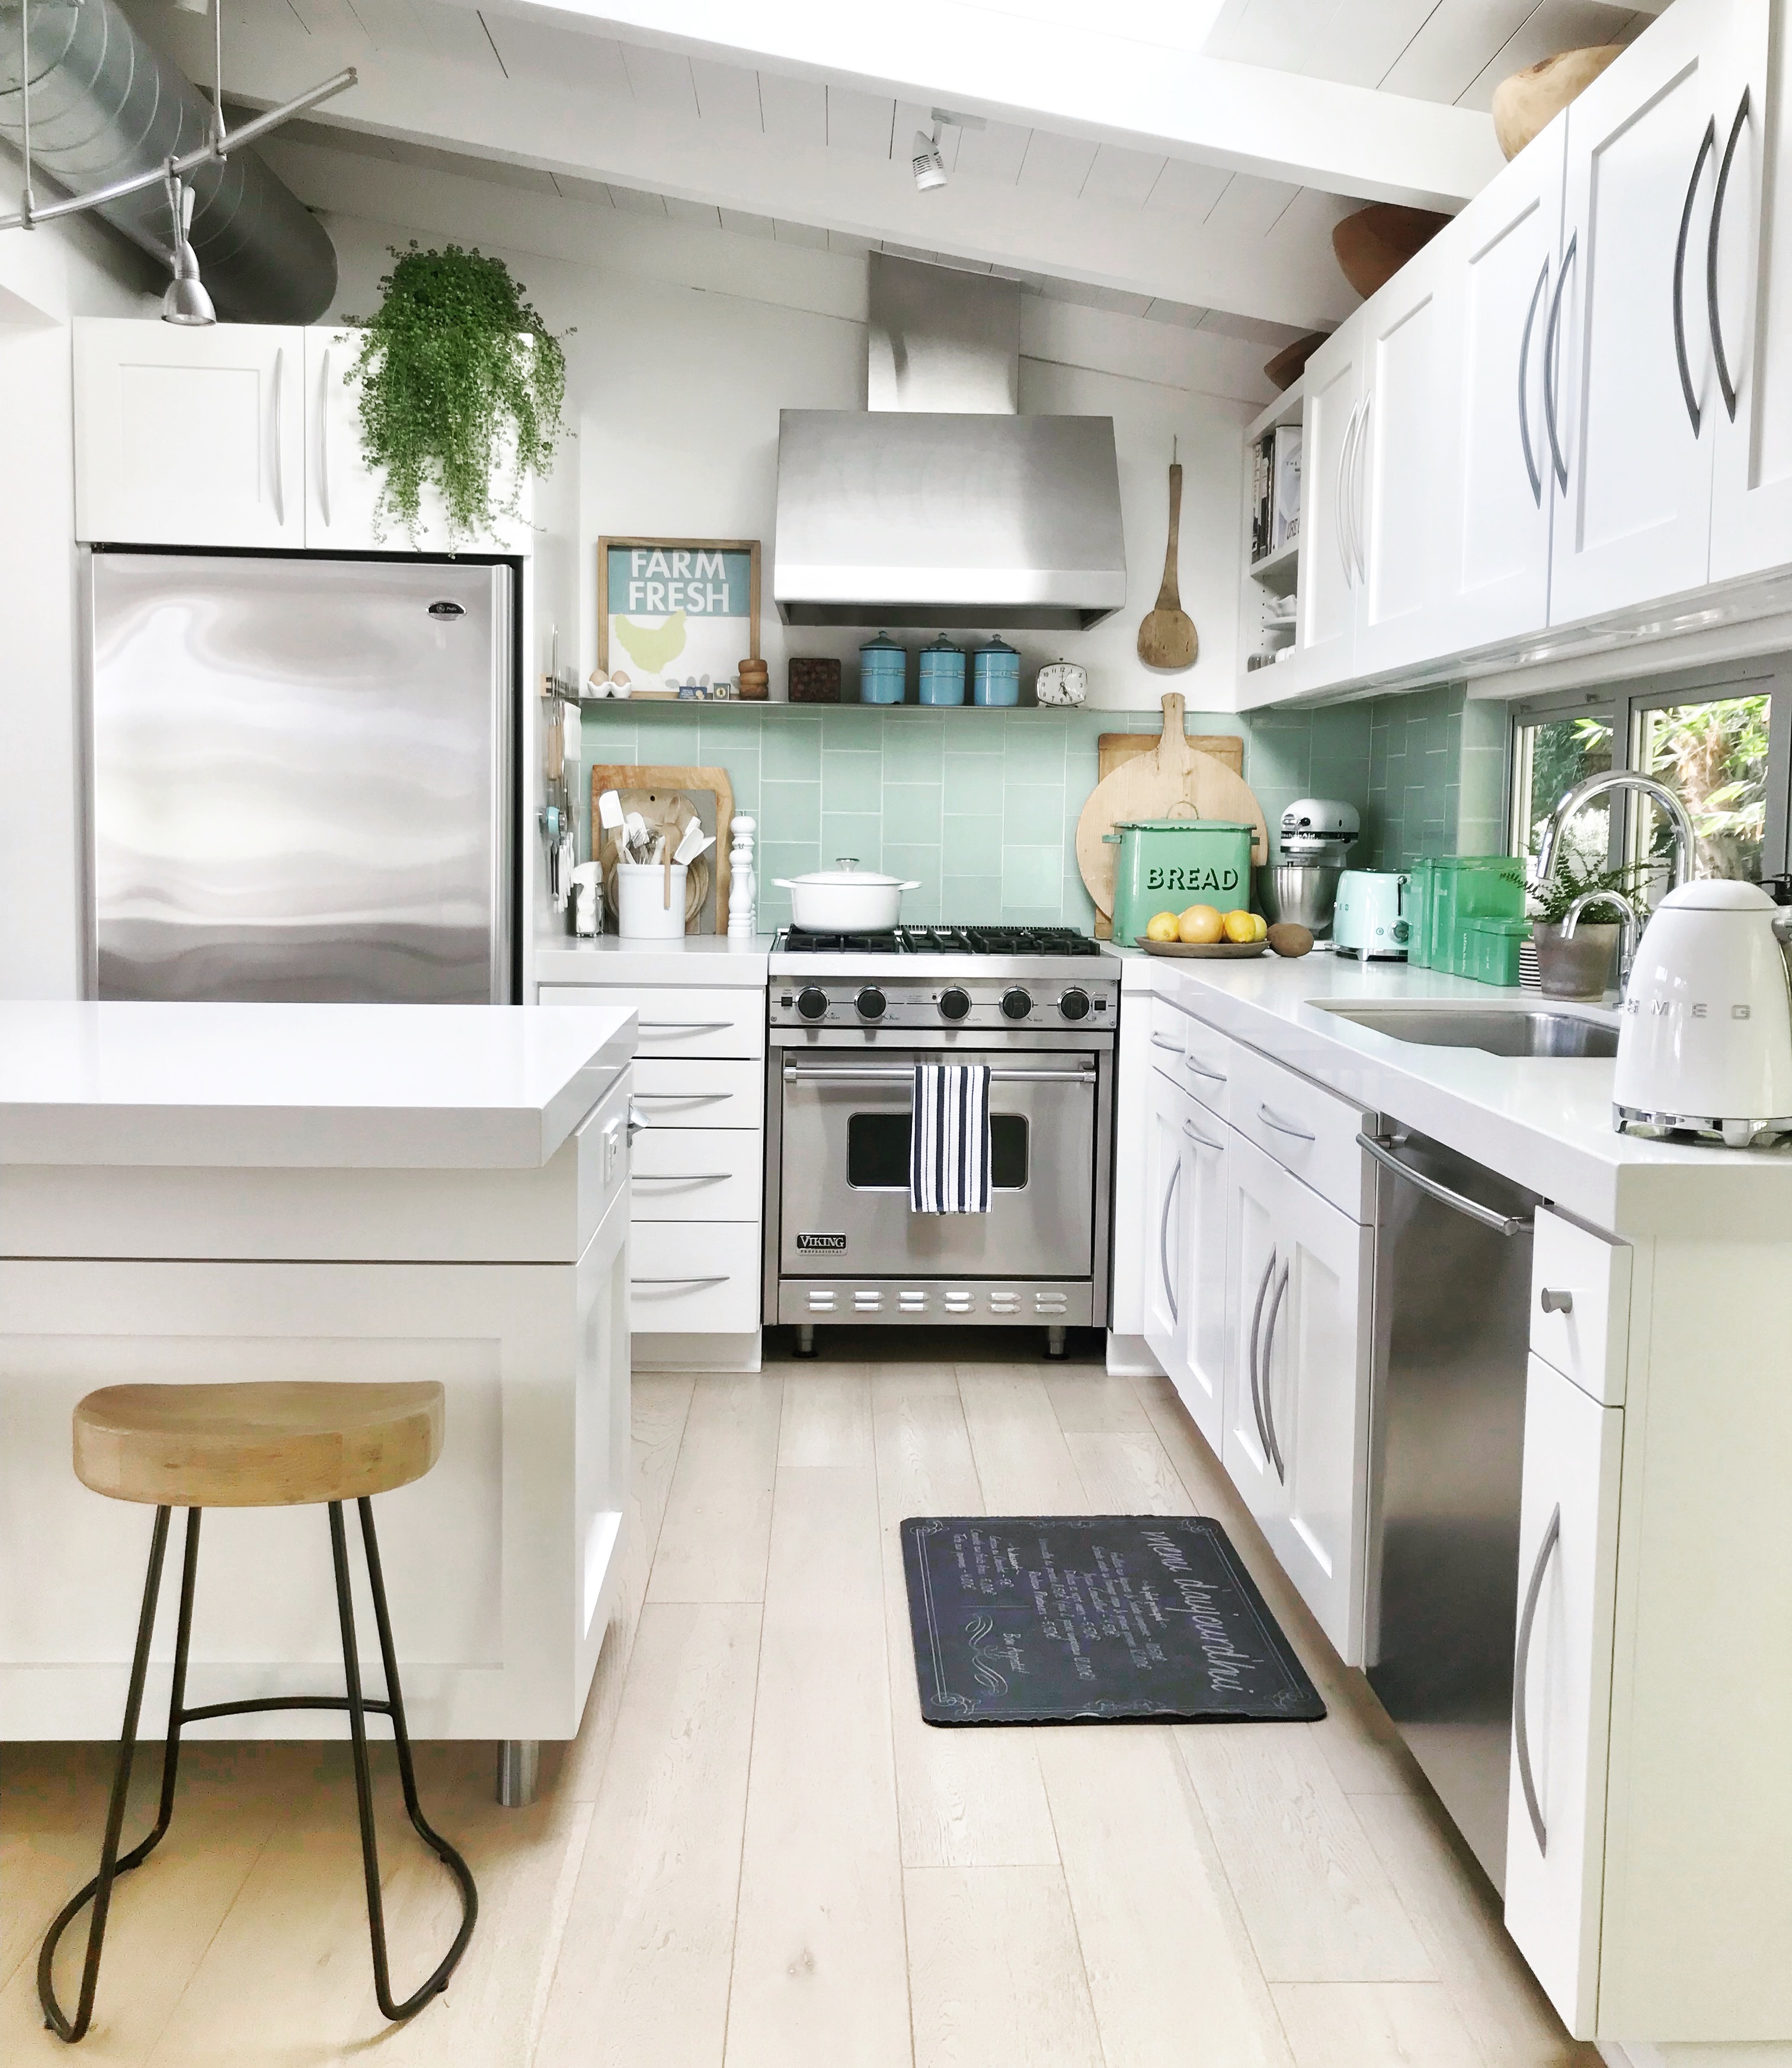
[[1287, 938]]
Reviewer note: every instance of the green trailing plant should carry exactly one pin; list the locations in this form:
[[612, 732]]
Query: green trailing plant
[[456, 375], [1549, 901]]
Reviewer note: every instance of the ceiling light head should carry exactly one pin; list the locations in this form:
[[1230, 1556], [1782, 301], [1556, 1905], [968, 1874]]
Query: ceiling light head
[[185, 301], [925, 162]]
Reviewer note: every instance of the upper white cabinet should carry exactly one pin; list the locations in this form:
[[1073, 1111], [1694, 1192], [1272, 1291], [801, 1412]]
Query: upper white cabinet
[[240, 434], [190, 438], [1632, 401], [1325, 639]]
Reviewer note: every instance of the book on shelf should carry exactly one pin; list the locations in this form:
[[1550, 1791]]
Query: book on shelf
[[1285, 470], [1262, 455]]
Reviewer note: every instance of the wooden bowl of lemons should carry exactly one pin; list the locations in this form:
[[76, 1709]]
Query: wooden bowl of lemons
[[1204, 929]]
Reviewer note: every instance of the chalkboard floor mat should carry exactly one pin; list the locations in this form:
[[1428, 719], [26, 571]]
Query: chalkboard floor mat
[[1093, 1619]]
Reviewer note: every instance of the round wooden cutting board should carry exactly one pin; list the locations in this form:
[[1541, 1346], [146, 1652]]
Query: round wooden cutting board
[[1173, 782]]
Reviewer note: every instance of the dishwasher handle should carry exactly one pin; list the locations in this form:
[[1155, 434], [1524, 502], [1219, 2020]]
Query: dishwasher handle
[[1380, 1147]]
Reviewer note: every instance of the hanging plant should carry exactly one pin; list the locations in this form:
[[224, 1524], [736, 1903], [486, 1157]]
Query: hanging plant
[[456, 375]]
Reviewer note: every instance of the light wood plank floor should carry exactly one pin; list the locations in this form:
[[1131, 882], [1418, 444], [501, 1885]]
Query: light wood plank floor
[[756, 1853]]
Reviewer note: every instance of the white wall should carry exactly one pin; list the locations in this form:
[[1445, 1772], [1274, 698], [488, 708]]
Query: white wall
[[46, 277], [687, 342]]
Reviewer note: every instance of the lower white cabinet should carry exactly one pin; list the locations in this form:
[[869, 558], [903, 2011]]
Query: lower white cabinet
[[1567, 1570], [1162, 1232], [1199, 1376], [694, 1279]]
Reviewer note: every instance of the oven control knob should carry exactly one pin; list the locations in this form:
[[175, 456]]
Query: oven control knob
[[955, 1004], [870, 1003], [1016, 1003], [811, 1002], [1074, 1003]]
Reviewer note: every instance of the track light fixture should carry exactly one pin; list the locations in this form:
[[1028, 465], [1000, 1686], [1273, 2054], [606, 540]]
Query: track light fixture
[[186, 301], [928, 166]]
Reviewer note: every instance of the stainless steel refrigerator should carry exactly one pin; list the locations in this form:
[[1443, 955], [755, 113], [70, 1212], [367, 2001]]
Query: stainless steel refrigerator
[[300, 778]]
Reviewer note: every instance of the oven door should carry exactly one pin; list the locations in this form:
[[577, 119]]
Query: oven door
[[843, 1189]]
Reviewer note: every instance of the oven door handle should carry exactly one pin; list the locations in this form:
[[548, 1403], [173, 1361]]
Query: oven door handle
[[891, 1073]]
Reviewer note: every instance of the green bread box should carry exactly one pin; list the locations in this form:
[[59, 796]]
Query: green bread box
[[1167, 864]]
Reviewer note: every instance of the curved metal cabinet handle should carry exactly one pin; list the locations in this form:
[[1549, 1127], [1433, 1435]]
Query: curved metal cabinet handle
[[1282, 1126], [1708, 145], [1202, 1070], [1521, 1725], [1338, 493], [1162, 1041], [1256, 1326], [1269, 1352], [686, 1098], [718, 1278], [682, 1177], [1506, 1224], [280, 436], [1553, 1302], [684, 1026], [1360, 513], [1727, 386], [1194, 1134], [323, 443], [1551, 335], [1163, 1237], [1531, 468]]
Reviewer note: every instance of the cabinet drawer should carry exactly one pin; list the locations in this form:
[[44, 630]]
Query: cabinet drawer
[[697, 1174], [679, 1021], [694, 1278], [1306, 1130], [1191, 1054], [1580, 1305], [673, 1092]]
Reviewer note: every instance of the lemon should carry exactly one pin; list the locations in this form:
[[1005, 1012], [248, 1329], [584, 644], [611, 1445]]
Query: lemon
[[1200, 926], [1160, 926], [1239, 927], [1260, 927]]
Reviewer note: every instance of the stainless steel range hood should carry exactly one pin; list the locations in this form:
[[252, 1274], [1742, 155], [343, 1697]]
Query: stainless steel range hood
[[932, 509]]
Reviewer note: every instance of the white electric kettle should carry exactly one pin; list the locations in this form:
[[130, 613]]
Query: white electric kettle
[[1704, 1045]]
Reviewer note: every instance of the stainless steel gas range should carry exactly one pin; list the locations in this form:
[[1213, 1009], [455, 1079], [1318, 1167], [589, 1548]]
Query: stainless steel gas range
[[851, 1015]]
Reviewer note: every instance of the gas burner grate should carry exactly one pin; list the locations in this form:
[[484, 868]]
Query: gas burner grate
[[796, 941], [943, 940]]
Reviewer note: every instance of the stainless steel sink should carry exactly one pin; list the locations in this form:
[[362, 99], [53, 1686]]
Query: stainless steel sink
[[1530, 1031]]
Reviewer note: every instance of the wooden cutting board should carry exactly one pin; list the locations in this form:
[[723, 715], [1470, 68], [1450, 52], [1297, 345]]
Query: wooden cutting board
[[657, 794], [1172, 780], [1114, 749]]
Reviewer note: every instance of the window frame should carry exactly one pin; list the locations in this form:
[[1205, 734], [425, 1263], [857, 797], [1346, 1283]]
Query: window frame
[[1623, 704]]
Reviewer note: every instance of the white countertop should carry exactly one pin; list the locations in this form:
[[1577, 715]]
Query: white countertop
[[698, 959], [417, 1087], [1545, 1122]]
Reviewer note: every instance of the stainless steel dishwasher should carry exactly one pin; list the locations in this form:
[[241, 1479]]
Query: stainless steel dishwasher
[[1446, 1464]]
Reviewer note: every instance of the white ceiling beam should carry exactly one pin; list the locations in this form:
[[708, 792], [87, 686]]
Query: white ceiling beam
[[547, 125], [1082, 79]]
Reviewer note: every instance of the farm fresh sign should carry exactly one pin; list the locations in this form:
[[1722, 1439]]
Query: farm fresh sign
[[678, 612]]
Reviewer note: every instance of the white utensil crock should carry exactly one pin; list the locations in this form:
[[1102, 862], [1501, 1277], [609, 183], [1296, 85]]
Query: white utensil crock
[[644, 912]]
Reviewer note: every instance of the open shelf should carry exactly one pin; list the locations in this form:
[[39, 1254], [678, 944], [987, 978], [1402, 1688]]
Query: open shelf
[[708, 705], [1280, 571]]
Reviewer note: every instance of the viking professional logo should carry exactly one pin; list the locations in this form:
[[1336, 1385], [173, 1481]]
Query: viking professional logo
[[821, 1242]]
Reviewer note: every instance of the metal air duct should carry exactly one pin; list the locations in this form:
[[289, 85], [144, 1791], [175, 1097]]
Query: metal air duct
[[106, 105]]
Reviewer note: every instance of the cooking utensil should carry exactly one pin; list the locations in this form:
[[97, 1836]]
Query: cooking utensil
[[1167, 638], [695, 841], [1218, 950], [670, 799], [1172, 781], [1304, 892], [845, 899]]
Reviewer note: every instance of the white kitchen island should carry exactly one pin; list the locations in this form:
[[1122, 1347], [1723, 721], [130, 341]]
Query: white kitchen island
[[210, 1191]]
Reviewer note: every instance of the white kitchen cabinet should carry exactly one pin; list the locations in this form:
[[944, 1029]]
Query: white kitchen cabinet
[[1492, 458], [1567, 1566], [1632, 404], [189, 437], [1325, 637], [342, 495], [1256, 1195], [1396, 497], [1751, 321], [1162, 1232], [1205, 1304]]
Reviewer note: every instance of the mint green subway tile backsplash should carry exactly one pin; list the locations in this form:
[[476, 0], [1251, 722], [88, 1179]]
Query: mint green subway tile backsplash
[[981, 806]]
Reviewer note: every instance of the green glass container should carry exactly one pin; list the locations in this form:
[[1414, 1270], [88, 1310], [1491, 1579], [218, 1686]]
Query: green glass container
[[1167, 864], [1449, 890]]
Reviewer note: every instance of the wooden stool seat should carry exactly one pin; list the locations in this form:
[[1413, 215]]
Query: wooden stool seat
[[271, 1443]]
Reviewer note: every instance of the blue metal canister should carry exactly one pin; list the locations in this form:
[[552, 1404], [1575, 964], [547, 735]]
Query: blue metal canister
[[942, 673], [996, 675], [883, 670]]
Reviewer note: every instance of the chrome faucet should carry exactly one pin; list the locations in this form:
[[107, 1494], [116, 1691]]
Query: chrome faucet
[[1631, 924], [1685, 845]]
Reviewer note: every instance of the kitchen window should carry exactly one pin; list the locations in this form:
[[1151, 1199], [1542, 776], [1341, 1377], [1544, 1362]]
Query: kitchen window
[[1719, 737]]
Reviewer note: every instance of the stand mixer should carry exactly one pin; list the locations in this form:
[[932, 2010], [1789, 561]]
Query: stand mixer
[[1301, 884]]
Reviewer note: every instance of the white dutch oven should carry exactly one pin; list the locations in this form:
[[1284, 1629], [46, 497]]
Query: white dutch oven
[[845, 899]]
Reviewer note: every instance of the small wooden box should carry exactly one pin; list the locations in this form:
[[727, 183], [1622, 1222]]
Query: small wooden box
[[814, 682]]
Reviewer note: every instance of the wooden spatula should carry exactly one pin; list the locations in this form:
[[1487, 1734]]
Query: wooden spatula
[[1167, 638]]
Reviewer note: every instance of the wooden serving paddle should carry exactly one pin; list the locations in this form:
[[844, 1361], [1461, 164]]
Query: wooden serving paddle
[[1167, 638]]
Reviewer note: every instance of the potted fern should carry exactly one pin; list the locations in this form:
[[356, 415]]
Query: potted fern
[[461, 389], [1582, 968]]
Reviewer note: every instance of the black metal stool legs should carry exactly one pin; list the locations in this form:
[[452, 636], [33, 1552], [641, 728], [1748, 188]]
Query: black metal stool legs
[[394, 1706], [99, 1889]]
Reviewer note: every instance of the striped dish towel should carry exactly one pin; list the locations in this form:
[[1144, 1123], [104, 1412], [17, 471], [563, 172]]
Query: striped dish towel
[[948, 1157]]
